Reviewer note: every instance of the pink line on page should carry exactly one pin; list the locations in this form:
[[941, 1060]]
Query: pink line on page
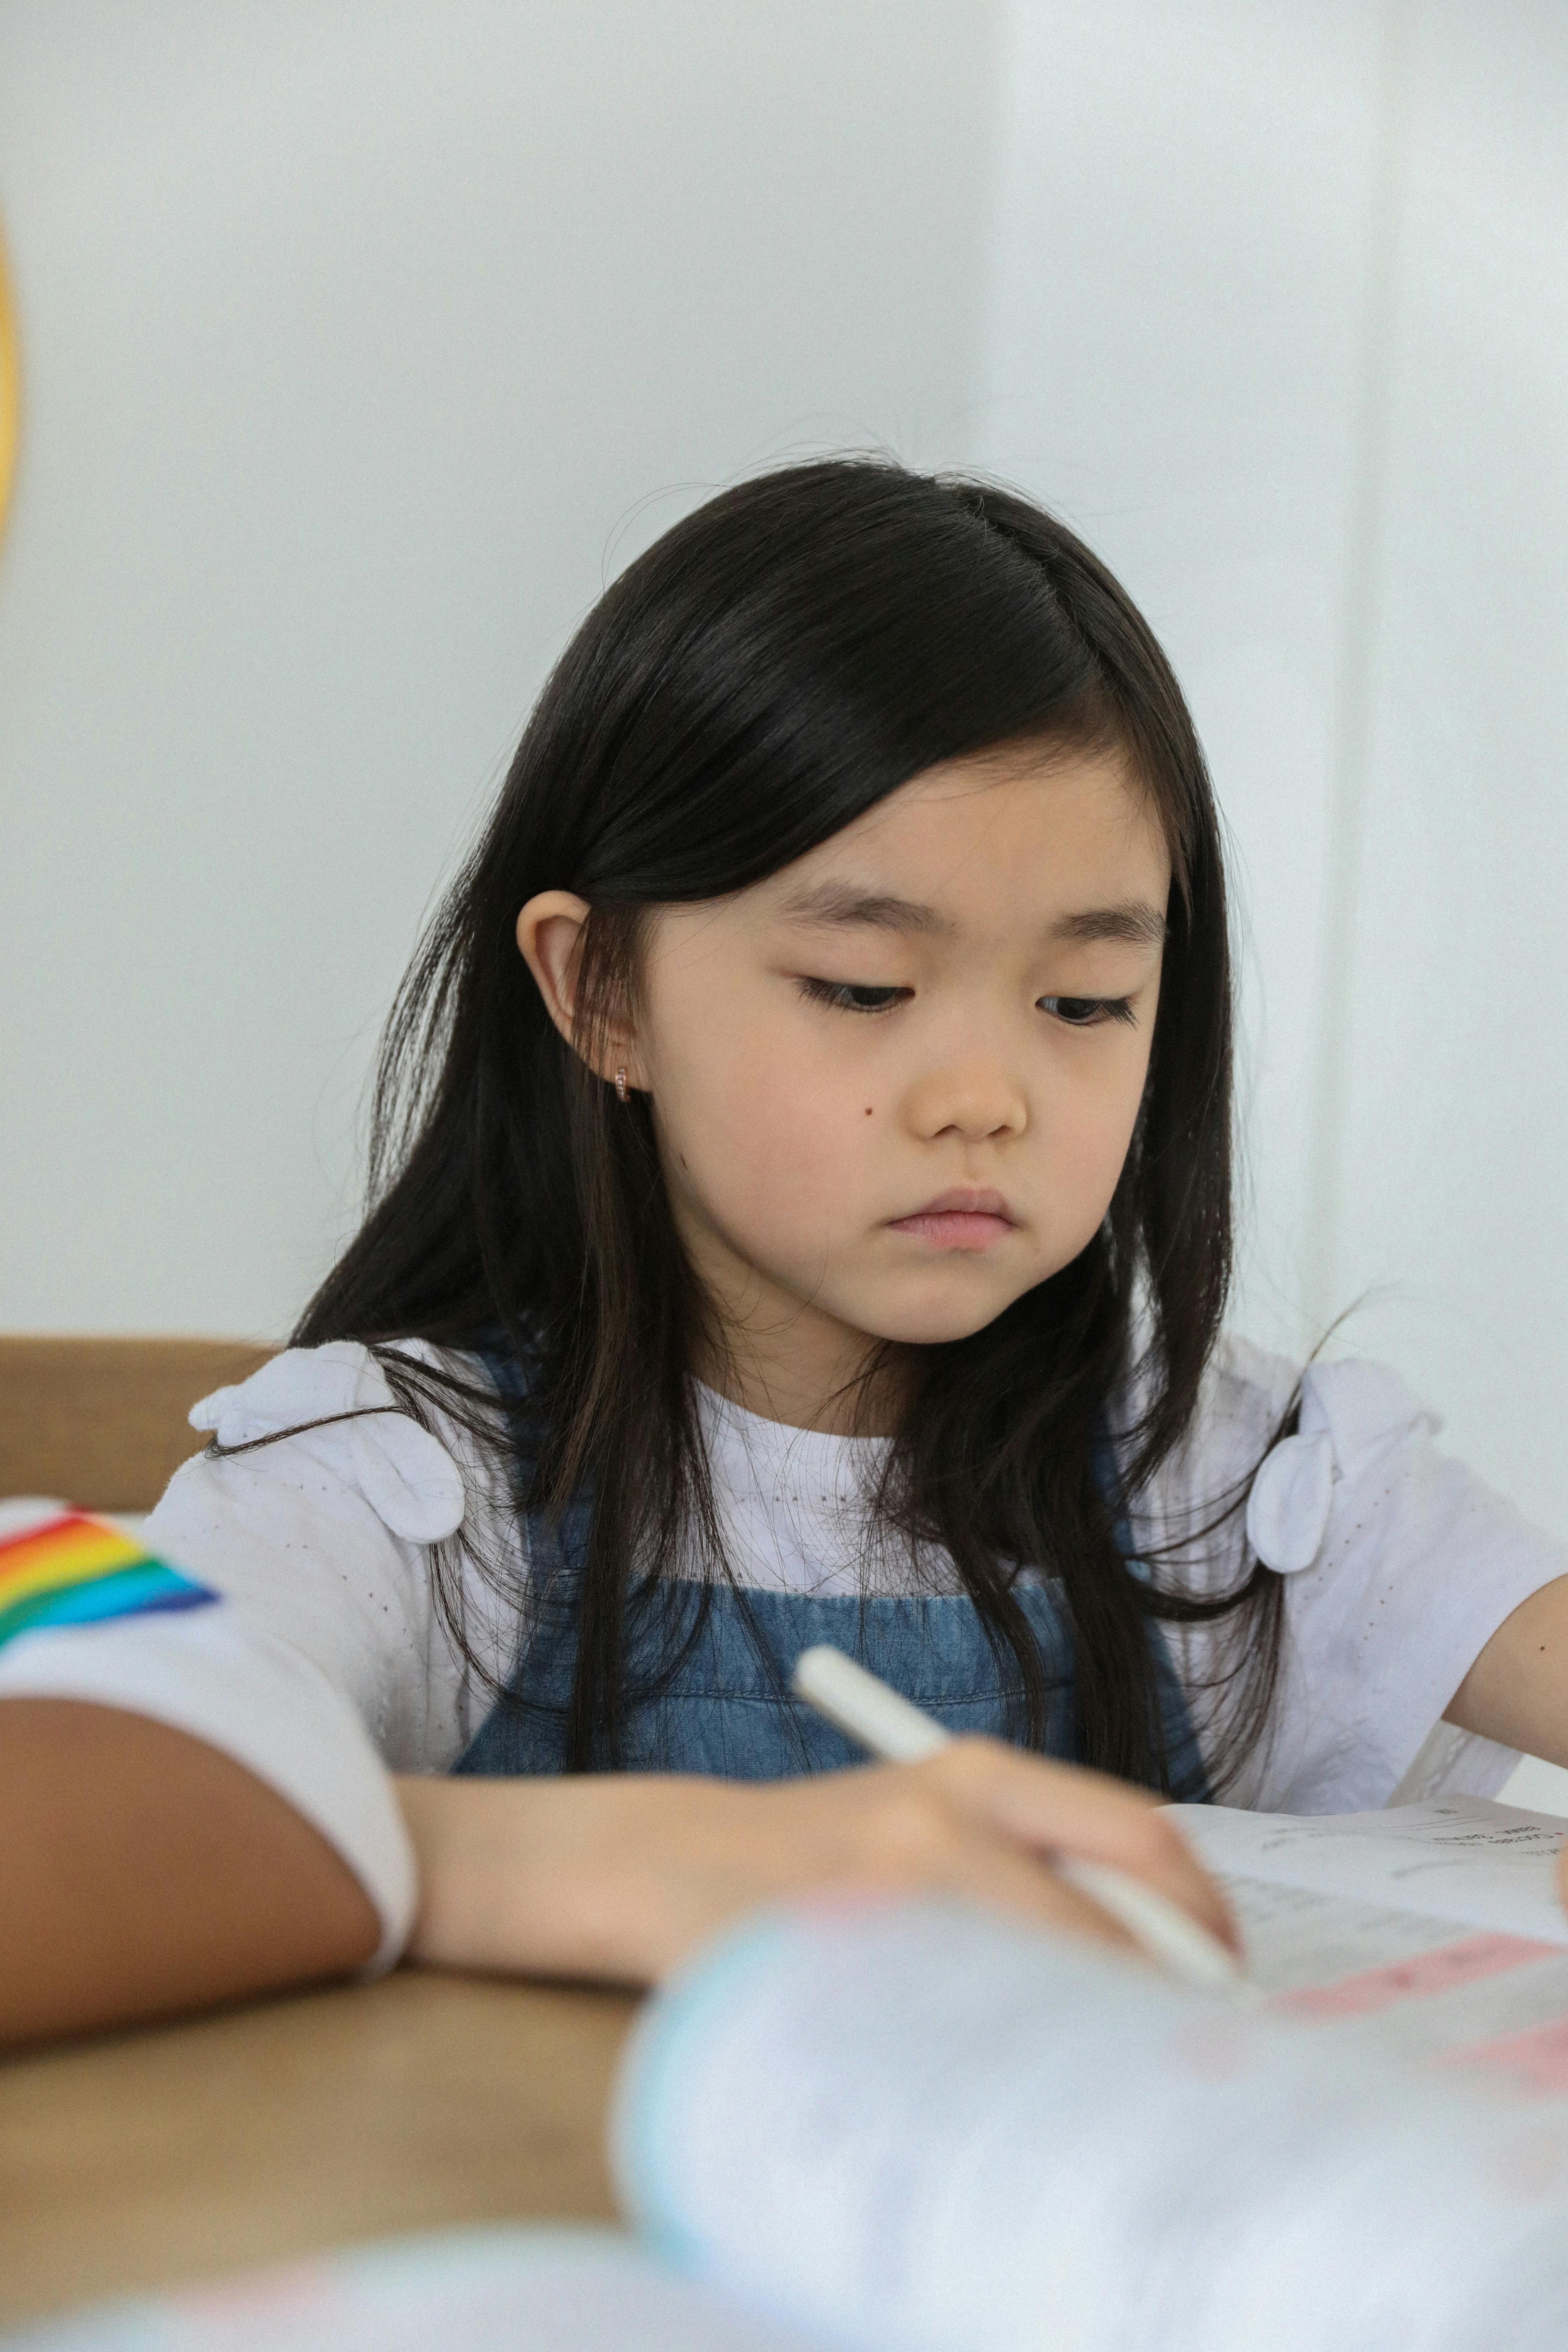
[[1538, 2059], [1461, 1963]]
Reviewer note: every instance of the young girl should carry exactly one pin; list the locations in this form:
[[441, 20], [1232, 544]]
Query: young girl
[[801, 1213]]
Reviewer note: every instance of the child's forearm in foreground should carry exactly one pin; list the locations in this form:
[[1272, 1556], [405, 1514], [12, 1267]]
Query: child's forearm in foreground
[[145, 1872], [620, 1877]]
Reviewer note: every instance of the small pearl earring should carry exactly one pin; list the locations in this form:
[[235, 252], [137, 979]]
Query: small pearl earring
[[621, 1094]]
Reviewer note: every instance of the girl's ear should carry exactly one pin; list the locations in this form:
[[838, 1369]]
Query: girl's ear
[[549, 935]]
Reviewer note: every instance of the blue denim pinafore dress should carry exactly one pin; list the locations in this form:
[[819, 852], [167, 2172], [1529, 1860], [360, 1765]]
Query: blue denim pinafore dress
[[724, 1708]]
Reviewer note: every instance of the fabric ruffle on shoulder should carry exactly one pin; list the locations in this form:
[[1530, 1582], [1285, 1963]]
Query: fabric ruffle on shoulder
[[406, 1475], [1350, 1413]]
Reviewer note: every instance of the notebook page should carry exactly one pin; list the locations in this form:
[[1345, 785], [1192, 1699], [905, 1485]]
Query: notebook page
[[1462, 1858], [498, 2290], [1421, 1990], [924, 2130]]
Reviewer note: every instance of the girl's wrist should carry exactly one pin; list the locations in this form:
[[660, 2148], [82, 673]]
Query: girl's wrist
[[543, 1878]]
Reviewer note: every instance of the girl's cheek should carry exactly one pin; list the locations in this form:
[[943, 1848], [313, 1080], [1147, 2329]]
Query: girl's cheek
[[787, 1145], [728, 1104], [1089, 1145]]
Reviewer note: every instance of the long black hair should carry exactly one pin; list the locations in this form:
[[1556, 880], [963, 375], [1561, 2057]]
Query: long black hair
[[780, 661]]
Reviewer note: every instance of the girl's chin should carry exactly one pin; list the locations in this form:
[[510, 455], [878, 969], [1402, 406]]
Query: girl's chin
[[934, 1322]]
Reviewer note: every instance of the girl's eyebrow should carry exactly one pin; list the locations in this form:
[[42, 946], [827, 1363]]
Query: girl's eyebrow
[[841, 904], [845, 902], [1136, 925]]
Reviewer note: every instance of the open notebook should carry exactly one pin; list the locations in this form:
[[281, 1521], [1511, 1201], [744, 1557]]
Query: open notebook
[[918, 2128], [1428, 1931]]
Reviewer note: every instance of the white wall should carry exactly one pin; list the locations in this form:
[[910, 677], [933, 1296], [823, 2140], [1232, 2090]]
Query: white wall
[[359, 345], [1279, 316], [1179, 276], [1454, 1143]]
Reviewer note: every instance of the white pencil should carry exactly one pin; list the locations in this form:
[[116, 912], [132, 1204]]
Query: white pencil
[[897, 1731]]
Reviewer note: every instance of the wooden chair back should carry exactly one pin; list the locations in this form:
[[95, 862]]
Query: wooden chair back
[[102, 1423]]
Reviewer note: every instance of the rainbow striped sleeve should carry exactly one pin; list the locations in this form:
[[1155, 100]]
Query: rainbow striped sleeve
[[77, 1570]]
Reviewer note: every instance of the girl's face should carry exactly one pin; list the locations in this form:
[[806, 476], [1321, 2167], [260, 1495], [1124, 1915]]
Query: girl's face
[[894, 1085]]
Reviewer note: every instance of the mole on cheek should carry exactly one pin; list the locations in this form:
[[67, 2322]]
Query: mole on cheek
[[867, 1110]]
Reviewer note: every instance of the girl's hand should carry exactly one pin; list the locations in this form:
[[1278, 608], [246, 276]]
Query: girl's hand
[[620, 1877]]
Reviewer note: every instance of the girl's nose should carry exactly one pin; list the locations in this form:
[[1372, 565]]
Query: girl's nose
[[976, 1099]]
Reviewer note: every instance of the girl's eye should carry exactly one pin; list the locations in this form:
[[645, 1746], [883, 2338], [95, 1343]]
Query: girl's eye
[[847, 996], [1089, 1011]]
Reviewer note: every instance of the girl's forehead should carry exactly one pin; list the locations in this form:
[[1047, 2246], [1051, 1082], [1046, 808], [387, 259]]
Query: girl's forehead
[[1001, 828]]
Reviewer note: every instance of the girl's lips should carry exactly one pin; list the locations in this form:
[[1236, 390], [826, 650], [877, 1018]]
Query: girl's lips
[[964, 1229]]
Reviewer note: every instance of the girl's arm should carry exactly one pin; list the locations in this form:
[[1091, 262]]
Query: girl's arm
[[1517, 1691], [146, 1873], [619, 1877]]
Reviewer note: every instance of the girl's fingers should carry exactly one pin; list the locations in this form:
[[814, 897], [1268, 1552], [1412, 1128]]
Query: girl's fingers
[[1062, 1808]]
